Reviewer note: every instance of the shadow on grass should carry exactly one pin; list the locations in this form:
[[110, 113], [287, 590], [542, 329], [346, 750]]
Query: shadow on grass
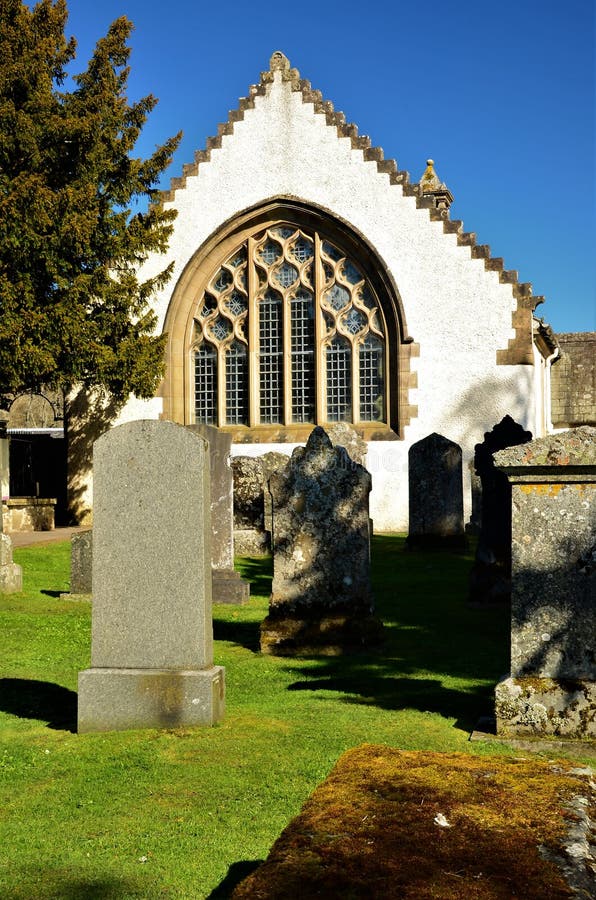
[[236, 873], [246, 634], [43, 700], [257, 570], [385, 691], [52, 593], [431, 636], [55, 886]]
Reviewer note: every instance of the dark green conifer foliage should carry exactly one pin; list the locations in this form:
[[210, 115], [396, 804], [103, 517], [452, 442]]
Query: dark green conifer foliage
[[73, 309]]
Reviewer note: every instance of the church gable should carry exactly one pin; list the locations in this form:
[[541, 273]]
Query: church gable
[[291, 118], [447, 330]]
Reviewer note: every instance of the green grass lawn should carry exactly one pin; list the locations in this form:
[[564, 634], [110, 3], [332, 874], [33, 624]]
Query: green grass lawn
[[183, 813]]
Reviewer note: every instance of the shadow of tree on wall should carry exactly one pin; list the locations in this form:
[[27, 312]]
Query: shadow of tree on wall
[[87, 415], [41, 700]]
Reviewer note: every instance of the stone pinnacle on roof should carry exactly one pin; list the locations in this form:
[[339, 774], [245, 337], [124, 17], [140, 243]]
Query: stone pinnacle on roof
[[431, 185], [279, 62]]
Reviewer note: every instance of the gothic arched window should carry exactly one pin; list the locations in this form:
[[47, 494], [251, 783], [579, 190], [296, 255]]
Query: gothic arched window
[[288, 330]]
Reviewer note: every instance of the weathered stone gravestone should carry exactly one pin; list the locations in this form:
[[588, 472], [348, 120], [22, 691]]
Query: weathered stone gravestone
[[11, 574], [343, 435], [552, 687], [321, 601], [81, 553], [436, 494], [272, 462], [228, 587], [252, 503], [250, 537], [490, 578], [152, 631]]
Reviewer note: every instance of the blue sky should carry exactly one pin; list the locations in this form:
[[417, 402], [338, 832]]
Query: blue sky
[[501, 96]]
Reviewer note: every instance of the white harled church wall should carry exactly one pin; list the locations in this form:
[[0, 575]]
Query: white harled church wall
[[458, 312]]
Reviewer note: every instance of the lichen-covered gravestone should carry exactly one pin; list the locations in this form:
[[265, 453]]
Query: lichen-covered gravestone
[[11, 574], [250, 537], [152, 630], [228, 587], [552, 687], [436, 493], [81, 564], [321, 601]]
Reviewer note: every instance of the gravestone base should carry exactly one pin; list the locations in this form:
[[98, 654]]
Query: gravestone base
[[334, 634], [123, 699], [76, 598], [11, 575], [228, 587], [527, 706]]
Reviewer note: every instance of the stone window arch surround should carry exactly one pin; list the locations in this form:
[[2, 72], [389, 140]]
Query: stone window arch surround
[[177, 389]]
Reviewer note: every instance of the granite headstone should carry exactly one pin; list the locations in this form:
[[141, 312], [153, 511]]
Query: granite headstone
[[152, 630]]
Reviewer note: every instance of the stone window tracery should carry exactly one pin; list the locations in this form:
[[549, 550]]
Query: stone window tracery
[[288, 330]]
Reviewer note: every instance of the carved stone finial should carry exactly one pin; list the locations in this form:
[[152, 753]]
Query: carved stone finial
[[279, 62], [431, 184]]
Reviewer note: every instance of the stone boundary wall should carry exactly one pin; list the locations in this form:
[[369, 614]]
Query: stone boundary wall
[[573, 381]]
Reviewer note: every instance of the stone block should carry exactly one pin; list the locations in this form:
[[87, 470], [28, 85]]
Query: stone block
[[553, 596], [228, 587], [537, 707], [122, 699]]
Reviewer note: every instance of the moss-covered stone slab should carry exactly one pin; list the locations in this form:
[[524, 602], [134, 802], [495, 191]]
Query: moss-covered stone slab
[[389, 824]]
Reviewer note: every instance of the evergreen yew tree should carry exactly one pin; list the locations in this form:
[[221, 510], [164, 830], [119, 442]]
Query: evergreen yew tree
[[72, 307]]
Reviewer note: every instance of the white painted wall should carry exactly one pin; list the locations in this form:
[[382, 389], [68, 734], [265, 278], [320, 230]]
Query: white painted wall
[[459, 313]]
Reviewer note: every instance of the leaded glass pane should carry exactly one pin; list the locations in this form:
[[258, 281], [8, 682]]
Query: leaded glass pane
[[337, 297], [236, 384], [222, 280], [271, 358], [332, 252], [302, 249], [236, 303], [208, 306], [365, 296], [206, 384], [351, 273], [238, 259], [221, 328], [371, 380], [354, 321], [269, 252], [286, 275], [339, 380], [303, 359], [283, 231]]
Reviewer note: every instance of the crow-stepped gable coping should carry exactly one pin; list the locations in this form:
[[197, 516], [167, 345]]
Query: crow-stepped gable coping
[[519, 350]]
